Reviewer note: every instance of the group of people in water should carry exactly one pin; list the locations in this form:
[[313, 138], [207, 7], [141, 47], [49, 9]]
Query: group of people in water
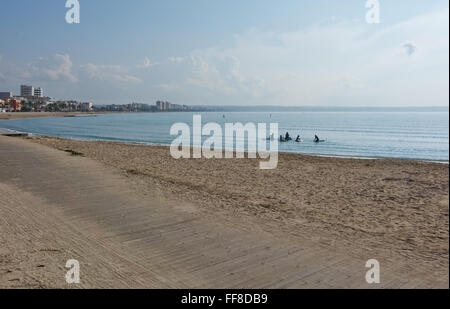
[[288, 138]]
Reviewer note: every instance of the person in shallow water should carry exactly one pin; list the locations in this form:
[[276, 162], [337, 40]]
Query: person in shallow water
[[287, 136], [316, 139], [298, 139]]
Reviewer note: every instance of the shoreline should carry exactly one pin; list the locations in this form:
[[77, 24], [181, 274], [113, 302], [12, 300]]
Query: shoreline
[[88, 114], [344, 157], [30, 115], [84, 114], [280, 152]]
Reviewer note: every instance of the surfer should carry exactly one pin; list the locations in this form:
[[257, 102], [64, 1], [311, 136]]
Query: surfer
[[316, 139], [287, 138]]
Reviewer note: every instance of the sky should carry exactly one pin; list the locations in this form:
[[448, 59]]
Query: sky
[[229, 52]]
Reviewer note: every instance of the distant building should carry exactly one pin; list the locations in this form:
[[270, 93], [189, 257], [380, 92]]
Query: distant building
[[86, 107], [26, 91], [30, 91], [167, 106], [38, 92], [67, 106], [12, 105], [160, 105], [143, 107], [6, 95], [15, 105], [34, 104]]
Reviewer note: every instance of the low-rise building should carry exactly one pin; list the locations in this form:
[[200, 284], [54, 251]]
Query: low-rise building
[[34, 104], [6, 95], [12, 105], [15, 105], [69, 106], [86, 107]]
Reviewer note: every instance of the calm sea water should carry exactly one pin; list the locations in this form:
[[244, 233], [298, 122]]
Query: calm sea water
[[413, 135]]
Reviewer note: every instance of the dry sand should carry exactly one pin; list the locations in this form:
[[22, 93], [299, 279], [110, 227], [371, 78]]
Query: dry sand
[[345, 211]]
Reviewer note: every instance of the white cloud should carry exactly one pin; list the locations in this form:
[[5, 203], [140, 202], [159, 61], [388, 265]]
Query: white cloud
[[167, 87], [147, 64], [335, 63], [110, 73], [55, 68], [176, 59], [221, 74]]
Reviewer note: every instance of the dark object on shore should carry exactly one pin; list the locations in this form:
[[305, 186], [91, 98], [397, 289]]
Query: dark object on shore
[[74, 153], [18, 134], [11, 133]]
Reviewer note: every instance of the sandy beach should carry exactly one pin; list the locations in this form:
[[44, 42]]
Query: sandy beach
[[342, 211], [12, 116]]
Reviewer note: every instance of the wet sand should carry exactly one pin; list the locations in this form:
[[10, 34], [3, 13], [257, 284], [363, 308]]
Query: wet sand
[[319, 218]]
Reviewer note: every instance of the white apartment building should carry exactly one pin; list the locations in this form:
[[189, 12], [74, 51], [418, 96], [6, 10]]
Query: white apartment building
[[38, 92]]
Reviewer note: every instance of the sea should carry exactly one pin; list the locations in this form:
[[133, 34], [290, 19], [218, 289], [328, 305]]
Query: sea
[[418, 135]]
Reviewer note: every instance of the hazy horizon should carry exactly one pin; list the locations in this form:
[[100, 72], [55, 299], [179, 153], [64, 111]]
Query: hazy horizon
[[257, 53], [266, 108]]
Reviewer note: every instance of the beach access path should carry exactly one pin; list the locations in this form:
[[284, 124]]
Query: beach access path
[[56, 206]]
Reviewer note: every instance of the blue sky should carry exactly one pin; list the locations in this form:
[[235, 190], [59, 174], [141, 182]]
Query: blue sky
[[290, 52]]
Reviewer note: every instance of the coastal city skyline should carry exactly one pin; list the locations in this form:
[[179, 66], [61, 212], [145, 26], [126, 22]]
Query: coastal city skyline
[[310, 53], [32, 99]]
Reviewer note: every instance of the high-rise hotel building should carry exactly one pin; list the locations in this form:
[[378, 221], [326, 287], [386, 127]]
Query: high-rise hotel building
[[26, 91], [30, 91]]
